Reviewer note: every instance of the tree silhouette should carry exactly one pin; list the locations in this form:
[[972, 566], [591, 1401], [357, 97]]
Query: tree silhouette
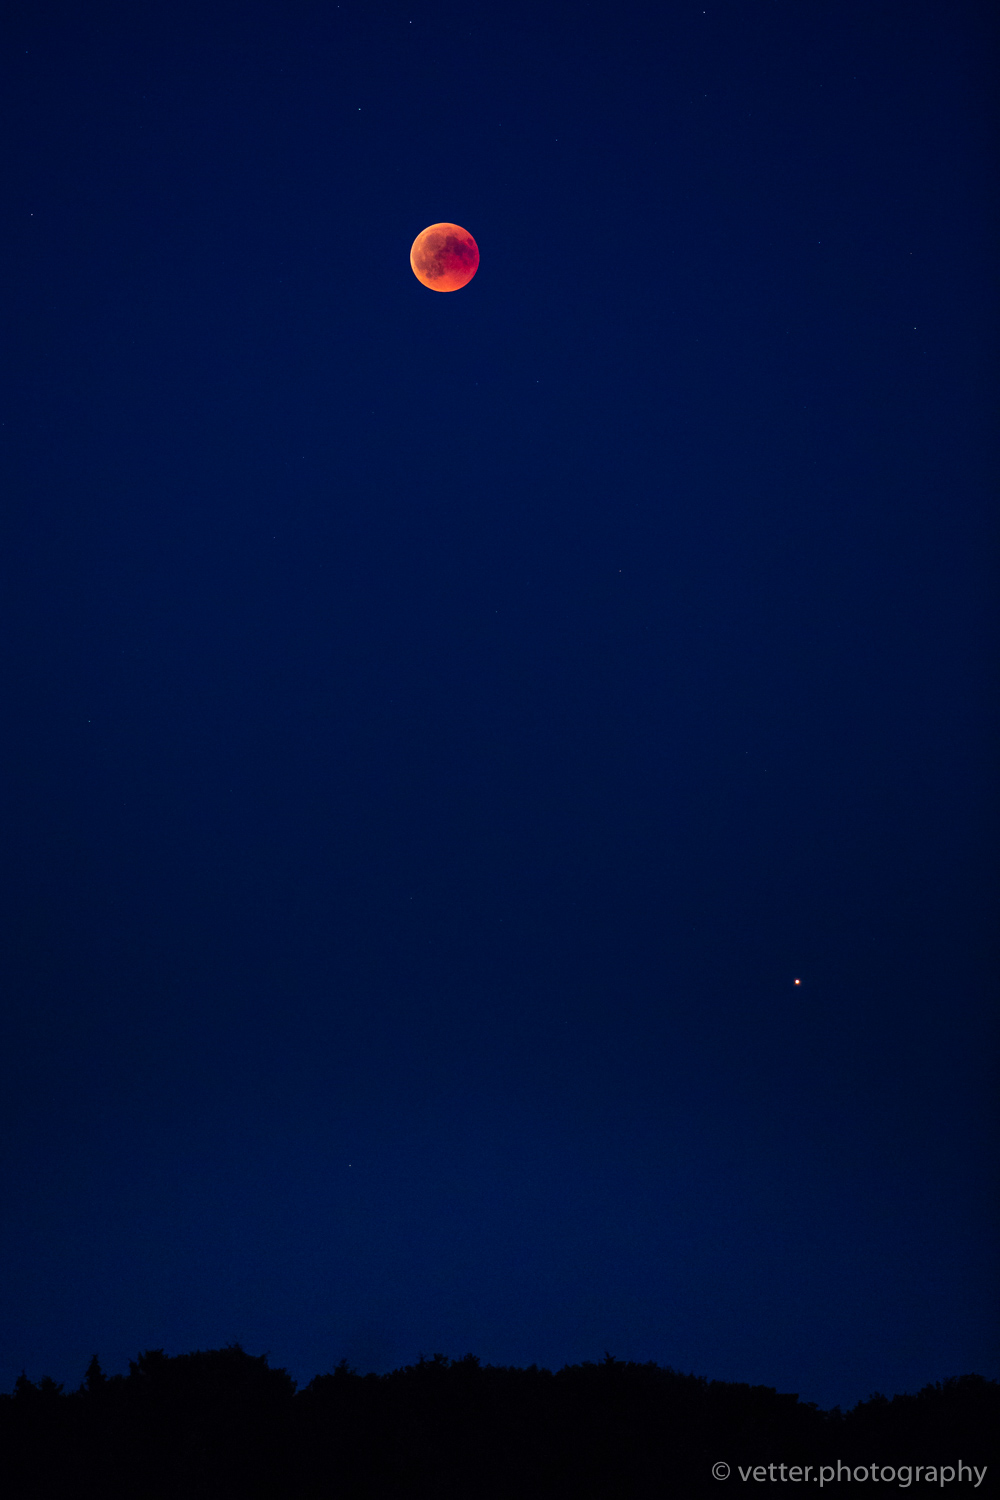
[[223, 1423]]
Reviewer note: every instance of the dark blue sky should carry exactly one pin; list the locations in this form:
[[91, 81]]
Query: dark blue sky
[[438, 729]]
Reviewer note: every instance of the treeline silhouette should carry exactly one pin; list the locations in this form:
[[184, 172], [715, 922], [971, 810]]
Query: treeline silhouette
[[223, 1423]]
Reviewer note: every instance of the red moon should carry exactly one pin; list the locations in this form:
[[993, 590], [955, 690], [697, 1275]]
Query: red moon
[[444, 257]]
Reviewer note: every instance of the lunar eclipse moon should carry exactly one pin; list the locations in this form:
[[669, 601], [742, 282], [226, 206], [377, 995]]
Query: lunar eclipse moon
[[444, 257]]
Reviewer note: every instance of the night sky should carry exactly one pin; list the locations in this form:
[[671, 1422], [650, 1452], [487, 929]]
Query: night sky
[[439, 729]]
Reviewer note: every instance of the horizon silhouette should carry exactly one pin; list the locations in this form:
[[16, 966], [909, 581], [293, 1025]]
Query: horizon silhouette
[[225, 1423]]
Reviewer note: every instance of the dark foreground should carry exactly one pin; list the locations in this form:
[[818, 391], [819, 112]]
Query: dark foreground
[[223, 1423]]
